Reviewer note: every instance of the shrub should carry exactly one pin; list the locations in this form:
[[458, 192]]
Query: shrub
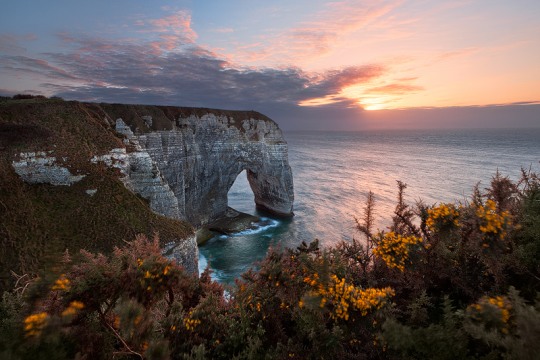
[[426, 288]]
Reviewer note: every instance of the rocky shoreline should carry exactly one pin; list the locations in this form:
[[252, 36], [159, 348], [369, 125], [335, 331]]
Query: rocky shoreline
[[233, 221]]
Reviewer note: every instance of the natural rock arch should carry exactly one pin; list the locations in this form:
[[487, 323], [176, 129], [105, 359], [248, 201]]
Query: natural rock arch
[[200, 157]]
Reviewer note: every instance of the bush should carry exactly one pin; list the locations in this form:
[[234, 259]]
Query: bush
[[445, 281]]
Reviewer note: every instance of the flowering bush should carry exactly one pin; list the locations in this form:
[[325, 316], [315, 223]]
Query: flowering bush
[[442, 216], [492, 311], [450, 292], [395, 249], [341, 296], [492, 223]]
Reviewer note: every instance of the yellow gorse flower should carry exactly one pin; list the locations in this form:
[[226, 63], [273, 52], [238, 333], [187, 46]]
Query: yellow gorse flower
[[502, 308], [191, 323], [442, 215], [503, 305], [155, 277], [343, 297], [394, 249], [492, 222], [34, 324], [61, 284], [73, 307]]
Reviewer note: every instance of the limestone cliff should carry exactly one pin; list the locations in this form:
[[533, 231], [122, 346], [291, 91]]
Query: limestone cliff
[[200, 157], [61, 163]]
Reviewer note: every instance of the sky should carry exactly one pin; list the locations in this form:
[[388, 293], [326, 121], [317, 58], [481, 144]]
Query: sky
[[308, 64]]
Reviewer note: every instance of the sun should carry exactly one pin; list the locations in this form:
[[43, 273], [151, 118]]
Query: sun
[[372, 103], [374, 107]]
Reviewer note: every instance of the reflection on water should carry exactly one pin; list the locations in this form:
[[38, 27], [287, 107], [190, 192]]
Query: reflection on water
[[334, 171]]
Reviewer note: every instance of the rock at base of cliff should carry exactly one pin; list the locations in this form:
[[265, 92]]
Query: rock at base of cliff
[[184, 252], [233, 221]]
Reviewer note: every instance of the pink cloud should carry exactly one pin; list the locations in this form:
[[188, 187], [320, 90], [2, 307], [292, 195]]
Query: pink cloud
[[354, 75], [25, 65], [319, 34], [394, 89], [178, 23], [171, 31]]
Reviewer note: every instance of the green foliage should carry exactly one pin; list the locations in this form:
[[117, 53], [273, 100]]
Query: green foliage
[[466, 289], [443, 340]]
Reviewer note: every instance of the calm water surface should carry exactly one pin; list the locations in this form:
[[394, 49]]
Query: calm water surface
[[334, 171]]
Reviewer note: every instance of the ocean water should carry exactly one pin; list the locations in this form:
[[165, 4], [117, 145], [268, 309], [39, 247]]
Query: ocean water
[[333, 172]]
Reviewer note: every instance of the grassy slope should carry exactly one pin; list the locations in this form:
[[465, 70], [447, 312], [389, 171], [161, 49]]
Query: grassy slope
[[39, 222]]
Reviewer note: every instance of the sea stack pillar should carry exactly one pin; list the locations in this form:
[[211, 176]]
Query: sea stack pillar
[[272, 182]]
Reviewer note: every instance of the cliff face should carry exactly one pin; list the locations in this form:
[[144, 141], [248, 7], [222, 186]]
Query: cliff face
[[62, 163], [200, 157]]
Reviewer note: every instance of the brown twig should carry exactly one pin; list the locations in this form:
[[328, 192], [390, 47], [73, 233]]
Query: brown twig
[[118, 336]]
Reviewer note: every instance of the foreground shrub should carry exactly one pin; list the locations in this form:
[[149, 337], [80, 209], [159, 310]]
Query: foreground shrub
[[443, 282]]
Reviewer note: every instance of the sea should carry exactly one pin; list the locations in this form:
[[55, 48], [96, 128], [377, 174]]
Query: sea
[[334, 171]]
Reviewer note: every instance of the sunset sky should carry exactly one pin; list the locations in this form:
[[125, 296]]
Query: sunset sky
[[307, 64]]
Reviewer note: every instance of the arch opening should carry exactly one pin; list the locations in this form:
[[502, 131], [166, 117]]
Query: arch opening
[[240, 195]]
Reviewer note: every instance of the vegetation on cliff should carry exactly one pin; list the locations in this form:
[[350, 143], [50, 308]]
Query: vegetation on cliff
[[445, 281], [39, 222]]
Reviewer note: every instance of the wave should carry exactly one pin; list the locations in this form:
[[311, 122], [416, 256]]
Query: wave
[[203, 263], [262, 226]]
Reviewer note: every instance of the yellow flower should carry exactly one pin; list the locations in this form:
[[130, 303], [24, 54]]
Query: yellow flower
[[73, 307], [343, 297], [62, 284], [492, 222], [34, 324], [394, 249], [442, 216], [191, 323], [116, 322], [499, 305]]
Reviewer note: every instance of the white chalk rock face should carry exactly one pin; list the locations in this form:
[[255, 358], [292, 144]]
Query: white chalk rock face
[[141, 175], [41, 168], [201, 157]]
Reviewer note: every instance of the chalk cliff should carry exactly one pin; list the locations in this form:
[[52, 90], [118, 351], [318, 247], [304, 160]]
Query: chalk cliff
[[183, 161], [200, 157]]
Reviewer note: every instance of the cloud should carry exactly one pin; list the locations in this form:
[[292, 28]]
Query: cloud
[[26, 65], [178, 23], [165, 66], [11, 43], [457, 53], [170, 32], [456, 117], [131, 71], [7, 92], [394, 89], [319, 34]]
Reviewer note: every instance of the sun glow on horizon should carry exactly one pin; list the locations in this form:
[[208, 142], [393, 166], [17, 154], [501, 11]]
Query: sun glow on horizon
[[374, 107]]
